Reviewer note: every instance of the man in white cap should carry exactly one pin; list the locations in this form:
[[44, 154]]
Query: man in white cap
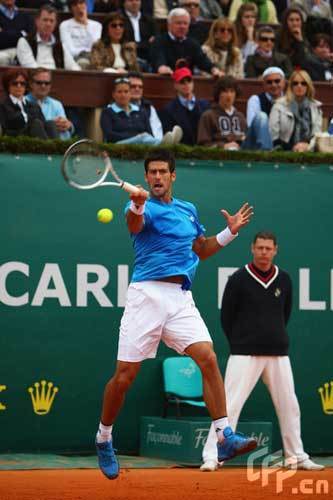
[[273, 87]]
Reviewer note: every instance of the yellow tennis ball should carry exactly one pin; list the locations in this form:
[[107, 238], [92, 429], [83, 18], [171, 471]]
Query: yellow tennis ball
[[104, 215]]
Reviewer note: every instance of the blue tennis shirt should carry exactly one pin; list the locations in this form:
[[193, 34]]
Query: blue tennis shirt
[[164, 246]]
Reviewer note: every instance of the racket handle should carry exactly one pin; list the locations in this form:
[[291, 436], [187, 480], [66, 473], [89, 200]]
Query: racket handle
[[130, 188]]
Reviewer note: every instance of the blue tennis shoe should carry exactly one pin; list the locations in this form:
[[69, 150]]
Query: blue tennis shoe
[[234, 444], [107, 459]]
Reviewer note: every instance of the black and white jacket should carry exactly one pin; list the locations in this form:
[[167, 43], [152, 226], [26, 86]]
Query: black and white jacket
[[255, 311]]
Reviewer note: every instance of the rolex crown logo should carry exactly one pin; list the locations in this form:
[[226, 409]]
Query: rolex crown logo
[[42, 396], [326, 396]]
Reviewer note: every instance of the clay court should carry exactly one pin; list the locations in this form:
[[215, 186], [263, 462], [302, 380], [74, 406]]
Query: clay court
[[159, 484]]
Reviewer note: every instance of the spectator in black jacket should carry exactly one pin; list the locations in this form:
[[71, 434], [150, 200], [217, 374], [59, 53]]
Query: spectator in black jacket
[[266, 56], [255, 310], [136, 87], [274, 83], [169, 47], [158, 9], [319, 62], [37, 4], [185, 110], [198, 28], [139, 28], [13, 24], [290, 39], [17, 115], [123, 122]]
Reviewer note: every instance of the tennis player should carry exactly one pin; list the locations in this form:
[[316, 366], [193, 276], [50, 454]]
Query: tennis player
[[168, 242]]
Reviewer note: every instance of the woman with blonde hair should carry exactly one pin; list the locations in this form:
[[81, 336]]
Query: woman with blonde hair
[[221, 48], [112, 53], [246, 24], [297, 117]]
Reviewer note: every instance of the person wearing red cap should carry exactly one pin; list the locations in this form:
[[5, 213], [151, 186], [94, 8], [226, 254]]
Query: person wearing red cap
[[185, 110]]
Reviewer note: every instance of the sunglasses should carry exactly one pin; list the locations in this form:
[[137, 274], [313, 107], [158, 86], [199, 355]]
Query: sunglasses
[[193, 5], [267, 39], [223, 30], [121, 80], [18, 83], [42, 82], [187, 79], [276, 81], [116, 25], [294, 84], [133, 86]]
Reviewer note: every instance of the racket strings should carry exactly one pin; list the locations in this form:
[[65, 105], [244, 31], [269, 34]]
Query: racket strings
[[85, 167]]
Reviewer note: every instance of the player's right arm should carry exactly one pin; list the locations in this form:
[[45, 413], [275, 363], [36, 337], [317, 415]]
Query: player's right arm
[[135, 213]]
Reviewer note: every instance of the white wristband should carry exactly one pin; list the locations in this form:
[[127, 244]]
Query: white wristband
[[225, 237], [137, 209]]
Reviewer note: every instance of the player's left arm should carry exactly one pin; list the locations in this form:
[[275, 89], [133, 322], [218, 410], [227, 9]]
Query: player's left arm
[[205, 247]]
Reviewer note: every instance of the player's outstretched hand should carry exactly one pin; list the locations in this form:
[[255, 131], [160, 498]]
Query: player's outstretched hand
[[239, 219], [141, 198]]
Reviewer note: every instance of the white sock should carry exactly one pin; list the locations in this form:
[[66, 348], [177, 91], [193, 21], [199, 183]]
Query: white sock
[[220, 424], [104, 433]]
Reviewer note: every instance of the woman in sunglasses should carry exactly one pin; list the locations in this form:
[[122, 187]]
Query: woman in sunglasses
[[17, 115], [112, 53], [221, 48], [297, 117]]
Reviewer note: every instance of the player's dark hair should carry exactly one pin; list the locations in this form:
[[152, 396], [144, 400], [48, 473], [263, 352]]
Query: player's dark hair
[[161, 155], [265, 235]]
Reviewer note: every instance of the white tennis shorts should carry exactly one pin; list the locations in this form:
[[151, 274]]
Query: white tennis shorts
[[157, 310]]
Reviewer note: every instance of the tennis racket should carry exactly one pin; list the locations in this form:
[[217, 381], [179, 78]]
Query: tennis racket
[[85, 166]]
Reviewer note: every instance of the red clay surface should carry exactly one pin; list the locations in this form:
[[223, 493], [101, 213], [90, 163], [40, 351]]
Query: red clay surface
[[162, 484]]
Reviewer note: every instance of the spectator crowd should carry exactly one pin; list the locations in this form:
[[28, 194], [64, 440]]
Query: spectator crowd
[[287, 45]]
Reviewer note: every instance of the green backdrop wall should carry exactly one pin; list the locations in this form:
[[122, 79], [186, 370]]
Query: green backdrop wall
[[63, 280]]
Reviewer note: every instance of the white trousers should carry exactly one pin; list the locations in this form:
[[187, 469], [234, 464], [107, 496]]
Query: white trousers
[[242, 374]]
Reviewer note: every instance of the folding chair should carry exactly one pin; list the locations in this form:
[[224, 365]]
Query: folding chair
[[182, 383]]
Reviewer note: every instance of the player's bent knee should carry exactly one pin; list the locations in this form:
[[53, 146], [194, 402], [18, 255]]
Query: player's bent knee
[[124, 377], [124, 381]]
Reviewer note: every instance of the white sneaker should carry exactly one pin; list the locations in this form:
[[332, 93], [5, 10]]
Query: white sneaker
[[309, 465], [209, 466], [167, 139], [173, 137], [177, 134]]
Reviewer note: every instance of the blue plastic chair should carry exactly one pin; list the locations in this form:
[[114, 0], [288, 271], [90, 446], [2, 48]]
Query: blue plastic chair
[[182, 383]]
